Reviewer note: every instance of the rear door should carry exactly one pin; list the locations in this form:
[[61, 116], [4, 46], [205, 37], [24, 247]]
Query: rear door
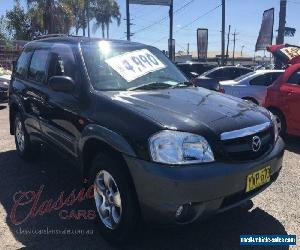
[[33, 92], [291, 92]]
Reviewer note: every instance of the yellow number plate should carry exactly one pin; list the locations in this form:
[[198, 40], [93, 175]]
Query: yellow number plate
[[258, 179]]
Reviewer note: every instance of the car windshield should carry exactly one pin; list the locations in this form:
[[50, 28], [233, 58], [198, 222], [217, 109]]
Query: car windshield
[[242, 77], [117, 67]]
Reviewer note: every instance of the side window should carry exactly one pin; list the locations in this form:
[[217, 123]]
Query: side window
[[265, 80], [295, 78], [23, 64], [244, 71], [275, 77], [234, 73], [217, 73], [37, 69], [260, 80], [62, 62]]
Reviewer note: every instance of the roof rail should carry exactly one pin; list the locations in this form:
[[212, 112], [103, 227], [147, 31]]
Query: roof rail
[[49, 35], [54, 35]]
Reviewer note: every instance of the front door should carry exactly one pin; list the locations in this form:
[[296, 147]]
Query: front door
[[62, 124]]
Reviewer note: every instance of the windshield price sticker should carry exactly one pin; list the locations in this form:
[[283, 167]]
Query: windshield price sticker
[[291, 52], [135, 64]]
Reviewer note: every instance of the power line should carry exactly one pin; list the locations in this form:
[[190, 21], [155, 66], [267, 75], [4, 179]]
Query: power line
[[188, 24], [164, 18]]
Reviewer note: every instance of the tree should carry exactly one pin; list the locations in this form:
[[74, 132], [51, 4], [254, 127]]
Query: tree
[[18, 22], [104, 13], [3, 35], [49, 16], [77, 8]]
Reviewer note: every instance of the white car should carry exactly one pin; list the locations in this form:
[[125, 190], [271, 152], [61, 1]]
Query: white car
[[4, 83], [252, 86]]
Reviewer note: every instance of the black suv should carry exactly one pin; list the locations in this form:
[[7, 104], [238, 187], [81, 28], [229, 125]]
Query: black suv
[[155, 147]]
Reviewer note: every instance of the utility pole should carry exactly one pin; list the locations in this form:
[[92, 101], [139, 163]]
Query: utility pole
[[282, 17], [188, 49], [128, 20], [171, 32], [88, 17], [227, 56], [234, 40], [223, 33]]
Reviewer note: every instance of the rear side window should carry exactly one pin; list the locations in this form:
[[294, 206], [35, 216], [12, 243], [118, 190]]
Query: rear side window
[[245, 71], [37, 69], [23, 64], [217, 73], [265, 80], [295, 78], [233, 73]]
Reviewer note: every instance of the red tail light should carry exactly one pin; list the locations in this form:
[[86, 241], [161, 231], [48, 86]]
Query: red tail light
[[221, 90]]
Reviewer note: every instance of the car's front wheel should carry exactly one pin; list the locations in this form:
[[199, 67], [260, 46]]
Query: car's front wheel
[[280, 121], [114, 198]]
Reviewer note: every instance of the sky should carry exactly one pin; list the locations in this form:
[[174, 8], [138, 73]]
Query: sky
[[244, 16]]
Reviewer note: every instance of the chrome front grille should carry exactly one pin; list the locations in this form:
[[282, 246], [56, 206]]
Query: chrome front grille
[[238, 145]]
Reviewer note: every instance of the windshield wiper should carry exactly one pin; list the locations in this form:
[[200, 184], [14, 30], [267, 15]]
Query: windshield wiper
[[152, 85], [182, 85]]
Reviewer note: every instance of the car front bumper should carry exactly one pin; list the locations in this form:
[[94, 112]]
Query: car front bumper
[[180, 195]]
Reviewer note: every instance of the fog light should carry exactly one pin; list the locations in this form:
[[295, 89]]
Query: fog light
[[185, 213], [179, 211]]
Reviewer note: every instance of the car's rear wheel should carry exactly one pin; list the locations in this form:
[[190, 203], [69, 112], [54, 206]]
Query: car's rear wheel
[[114, 198], [24, 146]]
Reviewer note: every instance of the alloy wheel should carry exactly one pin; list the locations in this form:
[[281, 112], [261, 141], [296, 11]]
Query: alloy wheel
[[108, 199], [20, 136]]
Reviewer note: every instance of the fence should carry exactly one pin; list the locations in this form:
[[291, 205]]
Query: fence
[[7, 56]]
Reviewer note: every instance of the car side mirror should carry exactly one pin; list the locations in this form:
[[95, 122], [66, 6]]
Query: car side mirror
[[194, 74], [62, 84]]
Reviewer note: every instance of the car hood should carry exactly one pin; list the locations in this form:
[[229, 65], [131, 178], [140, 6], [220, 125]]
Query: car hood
[[192, 109]]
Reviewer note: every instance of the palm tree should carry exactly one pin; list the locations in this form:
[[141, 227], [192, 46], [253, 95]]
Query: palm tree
[[51, 16], [113, 14], [104, 12], [77, 8]]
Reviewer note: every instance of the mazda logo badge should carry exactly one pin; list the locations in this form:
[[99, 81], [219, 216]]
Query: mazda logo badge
[[256, 144]]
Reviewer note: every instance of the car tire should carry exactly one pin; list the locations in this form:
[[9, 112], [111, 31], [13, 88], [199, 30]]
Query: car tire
[[120, 198], [24, 146], [281, 123]]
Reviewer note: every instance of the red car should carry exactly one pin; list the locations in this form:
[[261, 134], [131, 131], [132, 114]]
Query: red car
[[283, 96]]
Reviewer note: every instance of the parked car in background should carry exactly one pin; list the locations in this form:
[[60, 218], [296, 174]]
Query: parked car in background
[[252, 86], [211, 78], [4, 83], [194, 69], [283, 100]]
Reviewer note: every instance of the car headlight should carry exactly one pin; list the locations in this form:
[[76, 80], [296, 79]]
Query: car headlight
[[173, 147], [275, 126]]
